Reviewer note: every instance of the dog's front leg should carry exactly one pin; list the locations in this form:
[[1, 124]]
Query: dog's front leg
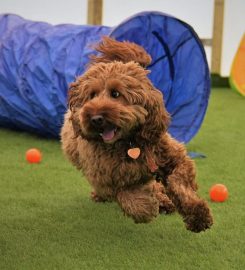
[[140, 203], [182, 188]]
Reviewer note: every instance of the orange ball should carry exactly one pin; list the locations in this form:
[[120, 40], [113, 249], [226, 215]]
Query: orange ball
[[33, 155], [218, 193]]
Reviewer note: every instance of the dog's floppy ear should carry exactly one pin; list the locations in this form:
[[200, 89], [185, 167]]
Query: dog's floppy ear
[[75, 100], [78, 92], [73, 95], [157, 120], [112, 50]]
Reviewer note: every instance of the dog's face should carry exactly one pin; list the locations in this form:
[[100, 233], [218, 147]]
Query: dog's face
[[114, 101]]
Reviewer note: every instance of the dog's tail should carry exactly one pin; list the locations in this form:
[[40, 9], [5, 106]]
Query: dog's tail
[[112, 50]]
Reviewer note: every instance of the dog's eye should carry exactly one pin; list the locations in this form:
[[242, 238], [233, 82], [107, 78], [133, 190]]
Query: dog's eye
[[115, 93], [92, 95]]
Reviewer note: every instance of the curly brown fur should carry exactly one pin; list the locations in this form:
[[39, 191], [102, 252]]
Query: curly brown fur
[[112, 50], [113, 106]]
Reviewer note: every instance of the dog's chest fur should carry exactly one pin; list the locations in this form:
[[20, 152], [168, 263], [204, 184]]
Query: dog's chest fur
[[108, 166]]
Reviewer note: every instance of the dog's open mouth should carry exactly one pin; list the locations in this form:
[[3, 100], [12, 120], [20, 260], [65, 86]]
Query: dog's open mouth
[[109, 133]]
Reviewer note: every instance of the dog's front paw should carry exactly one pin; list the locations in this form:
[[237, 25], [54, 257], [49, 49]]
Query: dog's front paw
[[140, 204], [146, 210], [199, 219]]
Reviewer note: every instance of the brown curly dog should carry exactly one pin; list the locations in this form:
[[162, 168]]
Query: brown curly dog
[[115, 131]]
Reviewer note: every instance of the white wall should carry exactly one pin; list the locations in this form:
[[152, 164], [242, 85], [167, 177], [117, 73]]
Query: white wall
[[52, 11], [234, 28], [198, 13]]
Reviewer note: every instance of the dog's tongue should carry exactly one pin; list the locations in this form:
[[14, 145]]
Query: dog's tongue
[[108, 134]]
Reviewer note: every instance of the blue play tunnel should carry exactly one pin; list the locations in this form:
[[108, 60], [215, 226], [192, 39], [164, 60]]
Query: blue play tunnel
[[38, 61]]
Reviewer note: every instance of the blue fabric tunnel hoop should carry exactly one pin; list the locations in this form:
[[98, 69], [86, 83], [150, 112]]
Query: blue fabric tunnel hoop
[[38, 61]]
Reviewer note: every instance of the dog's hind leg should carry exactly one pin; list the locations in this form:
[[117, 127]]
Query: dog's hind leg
[[166, 206], [100, 194], [96, 198]]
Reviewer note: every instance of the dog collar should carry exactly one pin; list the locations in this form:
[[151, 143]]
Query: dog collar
[[150, 159], [134, 153]]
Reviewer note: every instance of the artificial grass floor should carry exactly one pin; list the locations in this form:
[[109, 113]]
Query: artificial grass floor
[[47, 220]]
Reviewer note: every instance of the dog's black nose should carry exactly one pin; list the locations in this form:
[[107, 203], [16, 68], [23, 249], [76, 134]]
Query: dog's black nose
[[97, 120]]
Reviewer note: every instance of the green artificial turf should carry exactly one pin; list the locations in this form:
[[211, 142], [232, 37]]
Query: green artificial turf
[[47, 220]]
